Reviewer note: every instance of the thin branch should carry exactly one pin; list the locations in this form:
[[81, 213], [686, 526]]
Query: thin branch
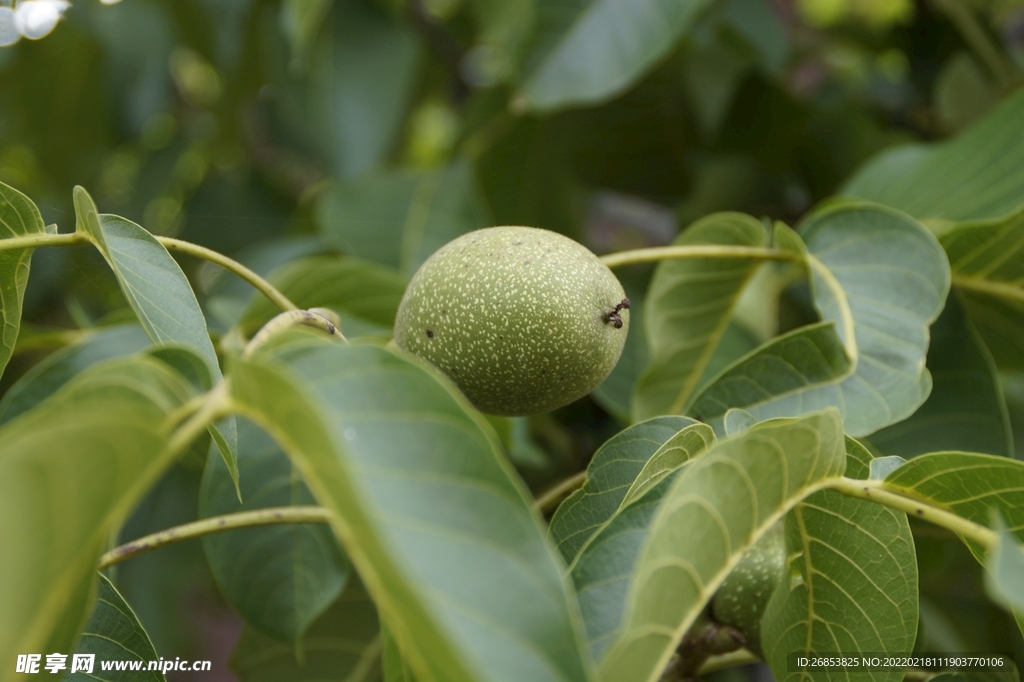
[[262, 285], [547, 500], [293, 318], [877, 491], [31, 241], [659, 253], [1013, 292], [215, 524]]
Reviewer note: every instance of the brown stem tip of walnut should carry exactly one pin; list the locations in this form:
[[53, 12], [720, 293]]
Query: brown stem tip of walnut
[[612, 314]]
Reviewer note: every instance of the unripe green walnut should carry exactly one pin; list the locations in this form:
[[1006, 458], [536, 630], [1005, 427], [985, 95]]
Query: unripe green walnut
[[742, 598], [523, 320]]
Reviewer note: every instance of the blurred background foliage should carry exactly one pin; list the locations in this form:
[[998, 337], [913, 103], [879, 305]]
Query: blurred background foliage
[[274, 130]]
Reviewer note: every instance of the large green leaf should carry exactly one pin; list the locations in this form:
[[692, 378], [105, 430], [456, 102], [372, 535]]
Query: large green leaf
[[114, 633], [363, 293], [586, 51], [977, 175], [604, 565], [158, 292], [716, 508], [796, 364], [281, 577], [852, 586], [342, 645], [18, 217], [688, 306], [881, 279], [428, 510], [610, 474], [987, 260], [968, 484], [966, 410], [70, 470], [58, 368], [971, 485], [400, 218]]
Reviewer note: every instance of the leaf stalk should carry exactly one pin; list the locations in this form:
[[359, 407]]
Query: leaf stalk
[[660, 253], [31, 241], [215, 524], [316, 318], [878, 491], [550, 498], [261, 285]]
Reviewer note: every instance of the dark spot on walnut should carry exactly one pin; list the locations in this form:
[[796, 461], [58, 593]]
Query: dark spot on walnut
[[430, 334]]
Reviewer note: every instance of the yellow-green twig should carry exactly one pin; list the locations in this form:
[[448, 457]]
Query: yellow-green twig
[[659, 253], [215, 524]]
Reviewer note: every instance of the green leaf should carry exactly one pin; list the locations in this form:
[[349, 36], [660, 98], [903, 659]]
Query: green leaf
[[676, 451], [688, 306], [977, 175], [795, 365], [603, 566], [611, 472], [150, 279], [966, 410], [858, 460], [279, 578], [300, 22], [342, 645], [716, 509], [18, 217], [361, 80], [366, 295], [895, 278], [400, 218], [987, 260], [395, 667], [968, 484], [158, 292], [881, 279], [852, 585], [1005, 576], [429, 511], [70, 470], [114, 633], [45, 378], [588, 51]]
